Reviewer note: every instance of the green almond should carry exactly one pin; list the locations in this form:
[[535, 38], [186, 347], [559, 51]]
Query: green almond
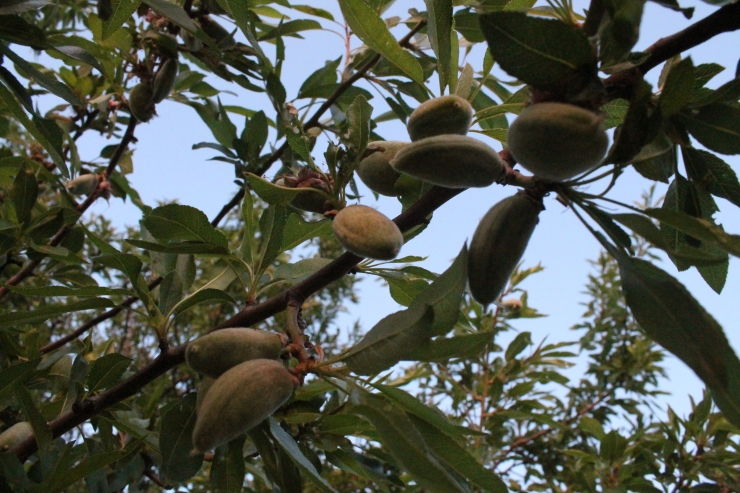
[[440, 116], [499, 243], [452, 161], [557, 141]]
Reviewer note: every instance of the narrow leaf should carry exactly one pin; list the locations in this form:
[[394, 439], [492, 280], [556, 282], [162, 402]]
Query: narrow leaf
[[287, 443], [176, 443], [370, 28]]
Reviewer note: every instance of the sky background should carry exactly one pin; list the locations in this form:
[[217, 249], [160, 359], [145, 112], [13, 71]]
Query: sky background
[[166, 170]]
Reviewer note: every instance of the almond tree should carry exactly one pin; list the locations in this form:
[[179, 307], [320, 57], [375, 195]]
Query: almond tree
[[95, 390]]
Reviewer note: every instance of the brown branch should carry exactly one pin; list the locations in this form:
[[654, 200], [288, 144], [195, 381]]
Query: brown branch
[[87, 408], [95, 321], [725, 19], [314, 120], [29, 268]]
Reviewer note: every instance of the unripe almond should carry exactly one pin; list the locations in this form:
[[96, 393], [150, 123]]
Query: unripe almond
[[557, 141], [217, 352], [375, 170], [440, 116], [452, 161], [164, 81], [367, 233], [239, 400], [15, 435], [141, 102], [498, 244]]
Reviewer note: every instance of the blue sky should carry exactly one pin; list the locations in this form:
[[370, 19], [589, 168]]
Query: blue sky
[[166, 169]]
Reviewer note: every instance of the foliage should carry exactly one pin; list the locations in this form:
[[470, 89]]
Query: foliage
[[95, 321]]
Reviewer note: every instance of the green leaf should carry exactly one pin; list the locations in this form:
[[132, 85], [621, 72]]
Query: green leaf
[[370, 28], [728, 92], [47, 312], [714, 275], [391, 340], [227, 468], [290, 28], [179, 17], [467, 346], [80, 54], [679, 88], [326, 75], [23, 194], [287, 443], [67, 291], [15, 374], [52, 85], [86, 468], [457, 457], [15, 29], [183, 247], [358, 123], [202, 296], [122, 10], [174, 222], [399, 436], [106, 371], [41, 429], [170, 291], [297, 230], [297, 142], [657, 160], [439, 26], [41, 135], [297, 272], [540, 52], [675, 320], [445, 293], [701, 229], [615, 112], [412, 405], [685, 253], [176, 443], [272, 225], [18, 89], [124, 262], [619, 32], [467, 24], [639, 128], [711, 172], [716, 126]]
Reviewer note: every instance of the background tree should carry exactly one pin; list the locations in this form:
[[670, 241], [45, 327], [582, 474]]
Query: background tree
[[108, 396]]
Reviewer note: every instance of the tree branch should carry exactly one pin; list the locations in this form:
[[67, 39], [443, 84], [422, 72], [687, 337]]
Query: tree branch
[[95, 321], [314, 120], [725, 19], [29, 268]]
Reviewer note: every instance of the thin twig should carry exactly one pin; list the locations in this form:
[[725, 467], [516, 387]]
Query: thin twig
[[95, 321]]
